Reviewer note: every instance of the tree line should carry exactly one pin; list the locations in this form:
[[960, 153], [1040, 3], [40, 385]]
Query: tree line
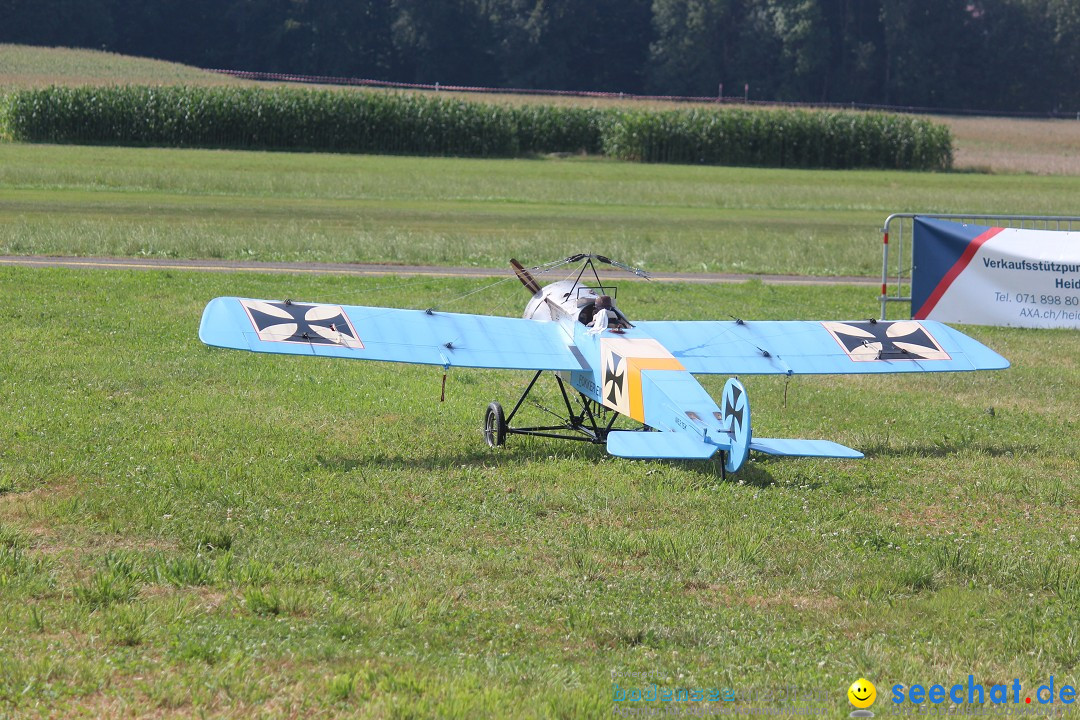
[[998, 55]]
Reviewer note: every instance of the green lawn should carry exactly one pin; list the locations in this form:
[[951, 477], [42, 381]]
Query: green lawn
[[191, 531], [296, 207], [195, 532]]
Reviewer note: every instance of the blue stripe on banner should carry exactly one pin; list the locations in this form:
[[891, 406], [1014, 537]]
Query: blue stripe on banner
[[954, 272], [937, 245]]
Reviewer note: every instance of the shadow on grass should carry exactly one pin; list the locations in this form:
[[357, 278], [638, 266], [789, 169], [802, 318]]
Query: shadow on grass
[[711, 473], [481, 457], [707, 472], [944, 449]]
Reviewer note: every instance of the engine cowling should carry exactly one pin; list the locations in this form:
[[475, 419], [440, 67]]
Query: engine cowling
[[561, 301]]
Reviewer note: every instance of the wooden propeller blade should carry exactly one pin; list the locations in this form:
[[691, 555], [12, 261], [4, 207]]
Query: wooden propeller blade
[[525, 277]]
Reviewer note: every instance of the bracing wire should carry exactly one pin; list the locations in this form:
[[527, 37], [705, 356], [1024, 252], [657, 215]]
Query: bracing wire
[[541, 269]]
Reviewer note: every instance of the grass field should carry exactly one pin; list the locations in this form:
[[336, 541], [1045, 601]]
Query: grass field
[[189, 531], [295, 207], [195, 532], [997, 145], [23, 66], [1043, 147]]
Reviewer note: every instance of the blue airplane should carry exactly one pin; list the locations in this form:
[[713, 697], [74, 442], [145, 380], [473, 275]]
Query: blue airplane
[[605, 366]]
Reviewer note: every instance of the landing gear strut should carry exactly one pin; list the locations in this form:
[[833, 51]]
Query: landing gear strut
[[591, 423]]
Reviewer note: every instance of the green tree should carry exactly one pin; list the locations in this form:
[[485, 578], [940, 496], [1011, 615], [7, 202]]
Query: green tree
[[854, 69], [800, 29], [75, 23], [930, 50], [573, 44], [695, 46], [447, 41], [351, 38]]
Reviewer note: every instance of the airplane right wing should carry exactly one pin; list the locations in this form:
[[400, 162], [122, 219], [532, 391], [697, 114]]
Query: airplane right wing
[[811, 347]]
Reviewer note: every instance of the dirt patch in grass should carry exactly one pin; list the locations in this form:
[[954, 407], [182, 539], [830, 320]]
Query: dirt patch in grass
[[15, 503], [721, 594], [207, 599], [931, 517]]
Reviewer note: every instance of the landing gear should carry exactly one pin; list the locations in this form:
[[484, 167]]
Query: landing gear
[[591, 422], [494, 425]]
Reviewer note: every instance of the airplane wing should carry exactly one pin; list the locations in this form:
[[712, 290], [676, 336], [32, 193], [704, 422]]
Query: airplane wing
[[390, 334], [810, 347]]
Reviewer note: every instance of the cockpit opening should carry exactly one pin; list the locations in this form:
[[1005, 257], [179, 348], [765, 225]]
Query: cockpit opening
[[599, 313]]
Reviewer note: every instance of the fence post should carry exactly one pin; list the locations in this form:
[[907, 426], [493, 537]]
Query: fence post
[[884, 268]]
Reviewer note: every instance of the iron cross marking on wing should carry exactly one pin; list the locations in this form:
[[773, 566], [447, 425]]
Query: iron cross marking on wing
[[901, 340], [302, 323]]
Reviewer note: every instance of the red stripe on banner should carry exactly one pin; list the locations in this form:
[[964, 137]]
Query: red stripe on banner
[[954, 272]]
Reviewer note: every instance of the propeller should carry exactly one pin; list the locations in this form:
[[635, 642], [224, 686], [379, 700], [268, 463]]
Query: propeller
[[525, 277], [532, 286]]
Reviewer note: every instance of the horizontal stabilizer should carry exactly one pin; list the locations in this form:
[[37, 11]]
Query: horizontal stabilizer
[[658, 445], [787, 447]]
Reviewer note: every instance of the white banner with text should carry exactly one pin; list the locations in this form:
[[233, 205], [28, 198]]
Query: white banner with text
[[981, 275]]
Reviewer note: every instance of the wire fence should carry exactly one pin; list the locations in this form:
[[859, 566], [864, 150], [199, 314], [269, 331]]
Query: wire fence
[[719, 99]]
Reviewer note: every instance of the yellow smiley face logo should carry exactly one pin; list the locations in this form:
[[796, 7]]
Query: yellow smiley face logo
[[862, 693]]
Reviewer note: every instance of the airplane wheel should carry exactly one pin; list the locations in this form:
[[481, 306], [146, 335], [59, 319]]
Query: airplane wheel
[[495, 425]]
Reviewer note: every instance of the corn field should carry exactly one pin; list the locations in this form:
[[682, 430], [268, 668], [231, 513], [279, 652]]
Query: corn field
[[413, 124], [781, 138]]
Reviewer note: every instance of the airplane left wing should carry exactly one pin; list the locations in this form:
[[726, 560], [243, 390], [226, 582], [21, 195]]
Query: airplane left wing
[[807, 347], [388, 334]]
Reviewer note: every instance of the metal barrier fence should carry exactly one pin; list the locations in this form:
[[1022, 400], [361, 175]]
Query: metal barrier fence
[[899, 227]]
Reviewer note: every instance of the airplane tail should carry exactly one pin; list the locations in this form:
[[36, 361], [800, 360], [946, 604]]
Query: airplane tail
[[734, 438], [790, 447]]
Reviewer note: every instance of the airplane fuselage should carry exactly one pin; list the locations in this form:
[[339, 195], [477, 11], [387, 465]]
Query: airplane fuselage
[[631, 372]]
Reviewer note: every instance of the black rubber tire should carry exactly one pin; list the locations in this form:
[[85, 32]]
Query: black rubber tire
[[495, 425]]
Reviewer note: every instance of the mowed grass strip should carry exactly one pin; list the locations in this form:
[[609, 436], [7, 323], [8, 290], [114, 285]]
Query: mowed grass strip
[[309, 207], [188, 530]]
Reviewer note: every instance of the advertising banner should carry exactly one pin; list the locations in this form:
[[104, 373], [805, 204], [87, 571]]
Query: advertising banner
[[995, 276]]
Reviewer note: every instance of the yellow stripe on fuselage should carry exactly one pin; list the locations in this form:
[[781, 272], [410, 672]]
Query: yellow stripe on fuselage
[[628, 357]]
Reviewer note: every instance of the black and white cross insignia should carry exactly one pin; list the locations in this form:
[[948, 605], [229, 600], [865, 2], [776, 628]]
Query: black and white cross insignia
[[901, 340], [735, 410], [615, 379], [301, 323]]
